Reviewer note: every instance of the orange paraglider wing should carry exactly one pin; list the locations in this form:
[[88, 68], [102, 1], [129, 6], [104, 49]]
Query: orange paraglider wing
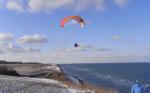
[[76, 18]]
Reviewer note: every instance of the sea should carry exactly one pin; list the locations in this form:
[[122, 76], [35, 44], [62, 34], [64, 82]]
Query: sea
[[118, 76]]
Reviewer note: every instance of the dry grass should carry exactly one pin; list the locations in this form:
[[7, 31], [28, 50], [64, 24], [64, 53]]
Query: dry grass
[[89, 88], [81, 87]]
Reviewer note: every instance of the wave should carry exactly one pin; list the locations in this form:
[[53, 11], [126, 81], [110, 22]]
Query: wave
[[115, 80]]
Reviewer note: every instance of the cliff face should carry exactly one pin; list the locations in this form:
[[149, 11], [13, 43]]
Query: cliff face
[[41, 78], [38, 71]]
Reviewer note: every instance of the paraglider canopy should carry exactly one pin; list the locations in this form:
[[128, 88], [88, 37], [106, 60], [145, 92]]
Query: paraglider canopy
[[76, 18]]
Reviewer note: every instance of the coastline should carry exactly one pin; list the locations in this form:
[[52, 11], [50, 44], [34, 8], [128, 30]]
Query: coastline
[[38, 71]]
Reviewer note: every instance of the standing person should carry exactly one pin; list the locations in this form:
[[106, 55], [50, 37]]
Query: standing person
[[136, 88]]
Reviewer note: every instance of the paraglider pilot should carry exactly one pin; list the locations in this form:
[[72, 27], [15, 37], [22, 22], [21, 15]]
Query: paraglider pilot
[[76, 45]]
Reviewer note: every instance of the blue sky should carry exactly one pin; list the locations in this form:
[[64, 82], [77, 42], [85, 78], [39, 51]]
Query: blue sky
[[115, 31]]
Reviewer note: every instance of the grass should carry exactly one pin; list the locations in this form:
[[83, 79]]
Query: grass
[[82, 88]]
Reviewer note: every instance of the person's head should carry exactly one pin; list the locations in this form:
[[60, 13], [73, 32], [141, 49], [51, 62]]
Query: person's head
[[137, 82]]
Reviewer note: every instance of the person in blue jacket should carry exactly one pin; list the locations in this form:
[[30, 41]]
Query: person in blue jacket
[[138, 88]]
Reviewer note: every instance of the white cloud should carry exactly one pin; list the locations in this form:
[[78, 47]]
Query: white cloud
[[10, 48], [6, 37], [1, 52], [115, 37], [73, 57], [121, 3], [77, 5], [83, 53], [14, 5], [47, 5], [32, 39], [94, 48], [80, 5], [82, 49], [32, 50], [53, 5]]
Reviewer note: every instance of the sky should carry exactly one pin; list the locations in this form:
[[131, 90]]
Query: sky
[[114, 31]]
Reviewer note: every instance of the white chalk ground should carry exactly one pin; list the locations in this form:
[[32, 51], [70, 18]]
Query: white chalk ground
[[12, 84], [29, 70]]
